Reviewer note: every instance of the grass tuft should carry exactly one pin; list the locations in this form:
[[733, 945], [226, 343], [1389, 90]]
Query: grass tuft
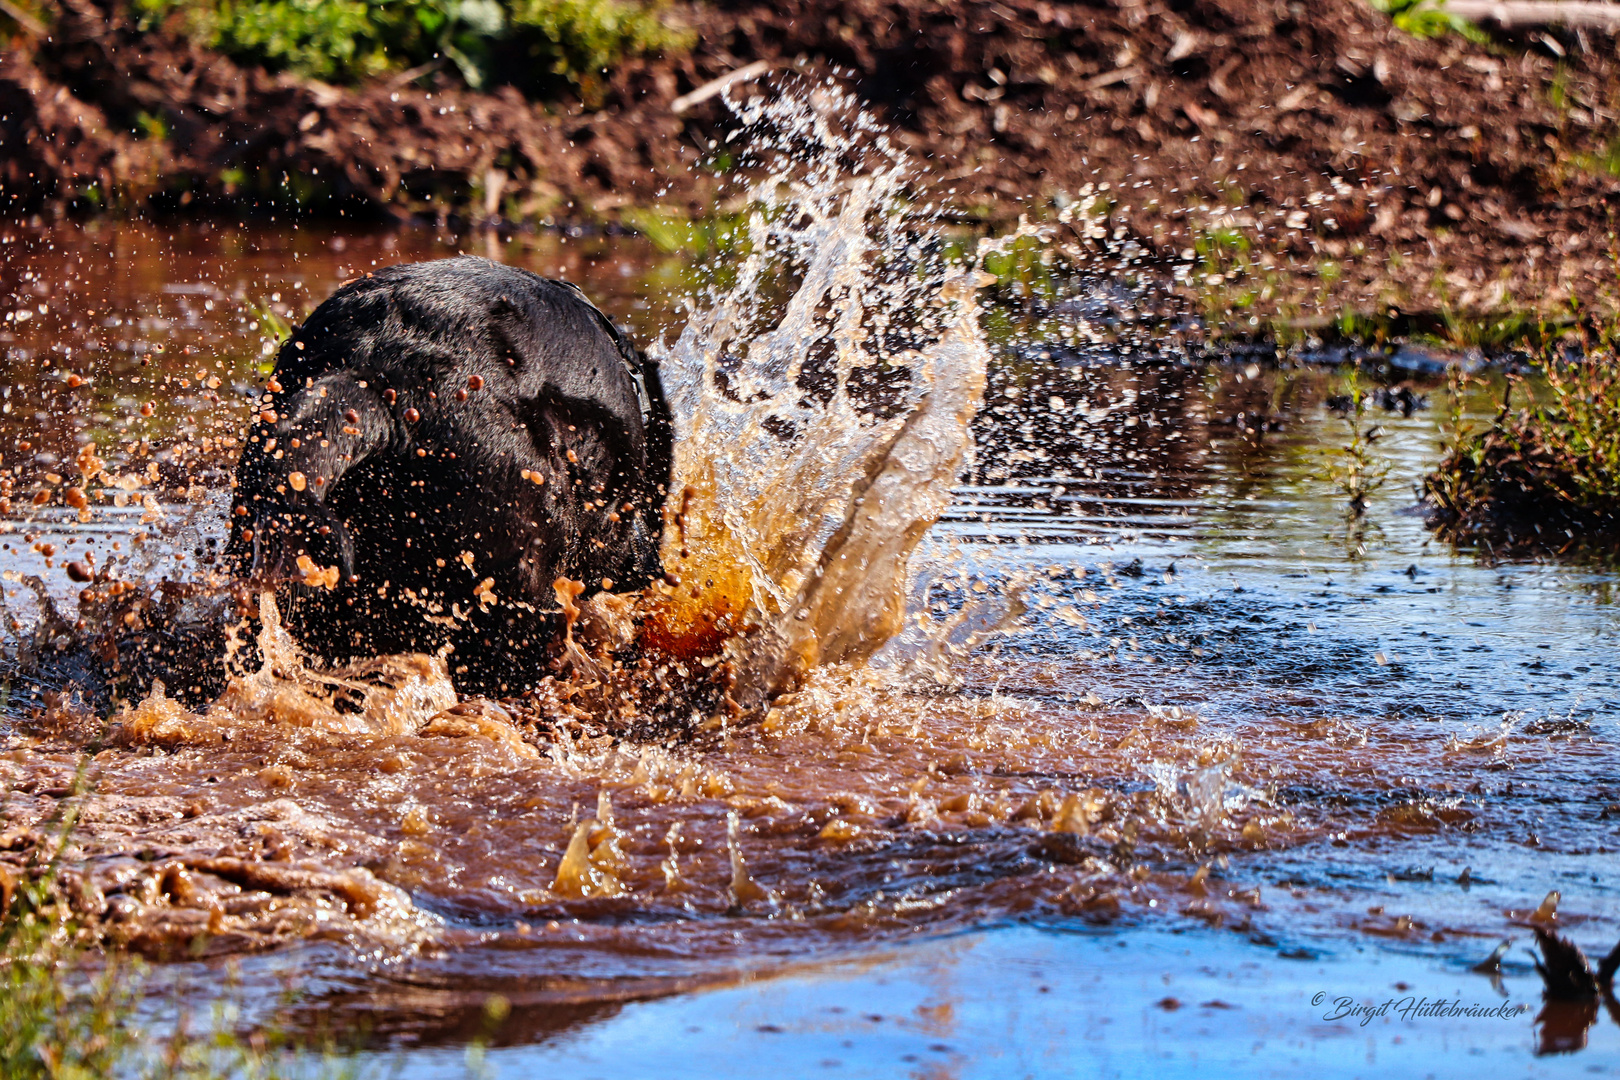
[[69, 1000], [59, 1018], [1543, 477], [536, 45], [1355, 468], [1426, 19]]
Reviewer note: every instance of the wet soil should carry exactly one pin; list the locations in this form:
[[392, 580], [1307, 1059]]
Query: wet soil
[[1361, 167]]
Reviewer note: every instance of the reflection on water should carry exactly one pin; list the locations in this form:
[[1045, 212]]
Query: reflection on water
[[1058, 1002], [1222, 707]]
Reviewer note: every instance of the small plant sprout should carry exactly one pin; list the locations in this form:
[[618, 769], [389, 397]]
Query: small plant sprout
[[1354, 468]]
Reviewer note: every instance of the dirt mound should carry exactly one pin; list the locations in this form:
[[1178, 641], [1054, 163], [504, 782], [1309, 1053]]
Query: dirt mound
[[104, 113], [1322, 133], [1318, 155]]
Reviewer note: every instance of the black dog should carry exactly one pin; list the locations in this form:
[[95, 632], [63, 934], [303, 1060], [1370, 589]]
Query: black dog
[[441, 443]]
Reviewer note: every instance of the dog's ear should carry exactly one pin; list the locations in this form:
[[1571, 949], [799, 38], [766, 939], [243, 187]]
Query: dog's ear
[[267, 541], [660, 434], [503, 308], [297, 453]]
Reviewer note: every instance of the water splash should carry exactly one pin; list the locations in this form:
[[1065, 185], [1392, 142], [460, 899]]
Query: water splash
[[823, 388], [381, 696], [800, 491]]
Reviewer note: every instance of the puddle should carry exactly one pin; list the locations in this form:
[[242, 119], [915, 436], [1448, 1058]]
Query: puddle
[[1069, 1004], [1207, 726]]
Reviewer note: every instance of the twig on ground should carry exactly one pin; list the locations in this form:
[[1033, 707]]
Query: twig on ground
[[23, 18], [720, 85], [1511, 13]]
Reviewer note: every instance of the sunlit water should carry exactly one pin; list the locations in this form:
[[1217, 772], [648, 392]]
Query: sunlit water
[[1231, 749]]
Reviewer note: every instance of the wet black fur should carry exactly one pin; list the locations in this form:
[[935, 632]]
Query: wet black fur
[[386, 499]]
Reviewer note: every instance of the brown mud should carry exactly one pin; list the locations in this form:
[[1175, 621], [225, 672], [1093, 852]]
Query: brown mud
[[241, 837], [1364, 167]]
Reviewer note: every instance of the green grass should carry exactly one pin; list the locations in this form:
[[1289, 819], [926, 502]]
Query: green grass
[[1542, 476], [1026, 268], [674, 232], [537, 45], [58, 1017], [1354, 468], [1429, 19]]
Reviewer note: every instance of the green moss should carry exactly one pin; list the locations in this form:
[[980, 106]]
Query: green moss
[[533, 44], [151, 126], [1026, 268], [1423, 19], [1606, 162], [1495, 332]]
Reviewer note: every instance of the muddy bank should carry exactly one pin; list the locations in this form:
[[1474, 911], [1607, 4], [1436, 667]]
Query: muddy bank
[[103, 114], [1384, 169], [1312, 158]]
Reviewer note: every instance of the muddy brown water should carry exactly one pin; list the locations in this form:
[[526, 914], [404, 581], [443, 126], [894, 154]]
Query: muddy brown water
[[1235, 752]]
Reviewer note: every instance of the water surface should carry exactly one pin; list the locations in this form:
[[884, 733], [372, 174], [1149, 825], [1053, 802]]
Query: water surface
[[1236, 748]]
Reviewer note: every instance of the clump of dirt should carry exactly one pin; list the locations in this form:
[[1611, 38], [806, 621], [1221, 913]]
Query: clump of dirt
[[1316, 153]]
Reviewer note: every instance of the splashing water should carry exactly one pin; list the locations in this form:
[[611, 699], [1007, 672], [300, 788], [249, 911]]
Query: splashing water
[[382, 696], [823, 390], [823, 387], [798, 499]]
